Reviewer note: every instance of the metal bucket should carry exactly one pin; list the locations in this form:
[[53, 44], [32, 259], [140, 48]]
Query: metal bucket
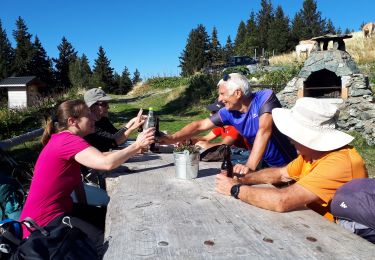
[[186, 165]]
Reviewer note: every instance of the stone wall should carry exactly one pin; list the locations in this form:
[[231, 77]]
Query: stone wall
[[357, 112]]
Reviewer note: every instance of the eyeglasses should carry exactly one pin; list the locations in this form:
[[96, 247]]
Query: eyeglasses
[[102, 104], [226, 77]]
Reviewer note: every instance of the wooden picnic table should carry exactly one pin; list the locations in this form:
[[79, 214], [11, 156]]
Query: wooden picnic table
[[153, 215]]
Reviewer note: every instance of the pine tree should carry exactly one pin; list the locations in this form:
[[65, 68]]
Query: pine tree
[[67, 55], [330, 28], [228, 50], [314, 25], [196, 54], [136, 77], [126, 84], [264, 19], [24, 51], [216, 52], [42, 64], [347, 31], [279, 35], [80, 72], [6, 54], [240, 39], [297, 30], [252, 35], [102, 72]]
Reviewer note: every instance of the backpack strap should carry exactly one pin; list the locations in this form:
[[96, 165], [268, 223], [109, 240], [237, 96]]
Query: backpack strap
[[30, 223]]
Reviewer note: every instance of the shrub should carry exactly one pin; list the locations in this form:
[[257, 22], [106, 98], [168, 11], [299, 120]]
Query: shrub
[[167, 82]]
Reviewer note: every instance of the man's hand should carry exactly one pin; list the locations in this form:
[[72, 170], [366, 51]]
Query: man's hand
[[137, 121], [241, 169], [224, 183]]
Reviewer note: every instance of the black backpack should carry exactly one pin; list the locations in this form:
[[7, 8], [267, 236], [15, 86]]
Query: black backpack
[[10, 237], [64, 241]]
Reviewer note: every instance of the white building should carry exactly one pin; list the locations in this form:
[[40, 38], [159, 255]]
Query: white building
[[22, 91]]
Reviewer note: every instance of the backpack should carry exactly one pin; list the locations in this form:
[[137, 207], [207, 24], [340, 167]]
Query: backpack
[[213, 154], [12, 198], [64, 241], [10, 237]]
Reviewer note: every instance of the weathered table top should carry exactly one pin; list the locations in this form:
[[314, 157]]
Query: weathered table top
[[153, 215]]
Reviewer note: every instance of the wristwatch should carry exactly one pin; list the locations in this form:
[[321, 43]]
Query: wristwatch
[[235, 190]]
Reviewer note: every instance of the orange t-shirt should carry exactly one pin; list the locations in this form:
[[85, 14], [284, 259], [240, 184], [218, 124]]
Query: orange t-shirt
[[324, 176]]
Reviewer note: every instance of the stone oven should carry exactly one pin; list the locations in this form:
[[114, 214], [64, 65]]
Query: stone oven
[[332, 74]]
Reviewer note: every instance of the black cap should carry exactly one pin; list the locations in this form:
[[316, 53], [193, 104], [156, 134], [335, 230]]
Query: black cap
[[215, 106]]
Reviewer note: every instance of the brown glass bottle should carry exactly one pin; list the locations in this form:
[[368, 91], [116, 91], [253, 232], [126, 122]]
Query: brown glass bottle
[[154, 147], [227, 163]]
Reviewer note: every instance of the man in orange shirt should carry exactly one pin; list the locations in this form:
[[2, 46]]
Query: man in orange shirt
[[324, 164]]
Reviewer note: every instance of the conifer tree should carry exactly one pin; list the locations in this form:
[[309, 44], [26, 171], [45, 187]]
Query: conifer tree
[[297, 30], [80, 72], [216, 53], [136, 77], [313, 24], [67, 55], [102, 72], [196, 54], [125, 84], [330, 28], [252, 36], [6, 54], [264, 19], [347, 31], [42, 64], [240, 39], [24, 51], [279, 35], [228, 50]]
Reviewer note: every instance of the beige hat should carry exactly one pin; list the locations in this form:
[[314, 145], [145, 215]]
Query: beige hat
[[94, 95], [311, 122]]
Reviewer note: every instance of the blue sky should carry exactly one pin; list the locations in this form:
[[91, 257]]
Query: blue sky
[[150, 35]]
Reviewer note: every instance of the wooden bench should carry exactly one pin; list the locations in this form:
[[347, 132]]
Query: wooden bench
[[153, 215]]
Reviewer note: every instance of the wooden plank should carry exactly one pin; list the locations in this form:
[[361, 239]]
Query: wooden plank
[[153, 215]]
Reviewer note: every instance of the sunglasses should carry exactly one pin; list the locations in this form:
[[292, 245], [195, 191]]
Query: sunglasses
[[226, 77]]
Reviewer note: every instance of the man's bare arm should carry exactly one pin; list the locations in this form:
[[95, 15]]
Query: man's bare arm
[[188, 131], [267, 175], [280, 200], [261, 140]]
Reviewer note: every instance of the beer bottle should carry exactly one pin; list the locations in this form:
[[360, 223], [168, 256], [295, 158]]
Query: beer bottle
[[227, 163], [154, 147]]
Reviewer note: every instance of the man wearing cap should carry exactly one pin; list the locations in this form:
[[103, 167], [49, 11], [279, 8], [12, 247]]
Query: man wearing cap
[[229, 135], [324, 164], [106, 136], [250, 114]]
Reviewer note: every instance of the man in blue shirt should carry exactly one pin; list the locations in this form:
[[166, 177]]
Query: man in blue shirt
[[250, 114]]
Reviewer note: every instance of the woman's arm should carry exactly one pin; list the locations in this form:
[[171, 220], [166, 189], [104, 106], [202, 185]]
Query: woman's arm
[[93, 158]]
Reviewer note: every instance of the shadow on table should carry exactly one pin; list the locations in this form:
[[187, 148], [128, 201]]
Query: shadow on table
[[123, 170], [208, 172]]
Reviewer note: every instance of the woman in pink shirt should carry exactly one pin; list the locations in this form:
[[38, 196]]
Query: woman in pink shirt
[[57, 170]]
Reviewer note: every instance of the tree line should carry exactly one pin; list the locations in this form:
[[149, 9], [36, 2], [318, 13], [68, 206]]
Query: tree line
[[267, 31], [68, 70]]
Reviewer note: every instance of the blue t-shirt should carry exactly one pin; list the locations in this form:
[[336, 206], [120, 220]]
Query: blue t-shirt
[[279, 150]]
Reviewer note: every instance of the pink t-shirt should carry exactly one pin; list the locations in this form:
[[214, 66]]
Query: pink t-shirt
[[56, 175]]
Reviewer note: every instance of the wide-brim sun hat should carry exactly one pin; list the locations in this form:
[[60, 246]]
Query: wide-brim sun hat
[[94, 95], [311, 122]]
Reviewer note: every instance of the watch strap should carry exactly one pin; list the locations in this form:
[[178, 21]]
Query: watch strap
[[235, 190]]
